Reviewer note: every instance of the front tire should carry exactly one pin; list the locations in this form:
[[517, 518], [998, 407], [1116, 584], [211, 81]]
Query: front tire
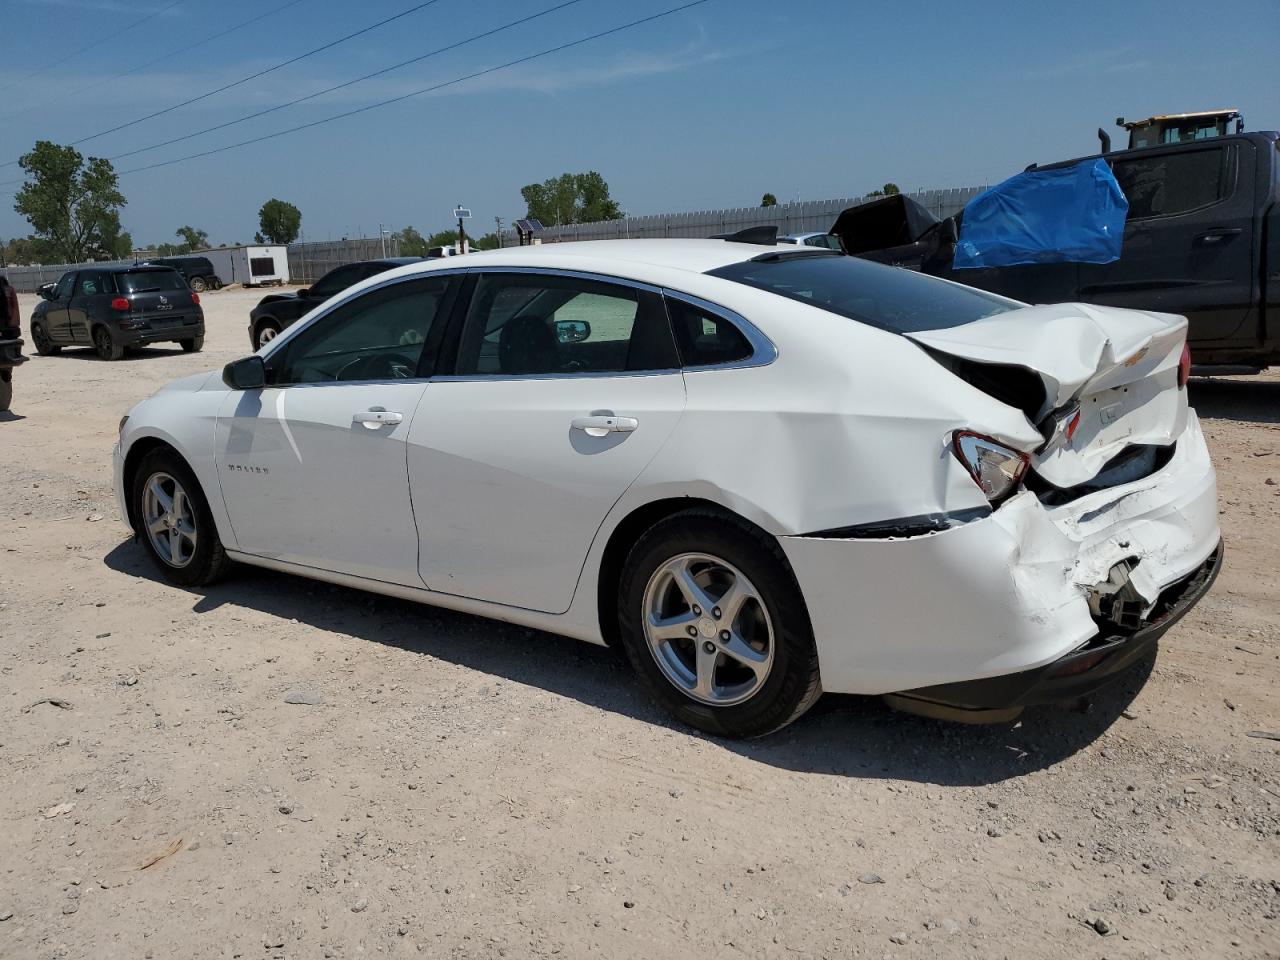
[[193, 345], [266, 331], [198, 285], [106, 345], [712, 620], [44, 346], [173, 520]]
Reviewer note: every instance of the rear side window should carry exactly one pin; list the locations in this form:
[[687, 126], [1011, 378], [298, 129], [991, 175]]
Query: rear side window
[[704, 338], [149, 281], [890, 298], [1171, 184], [537, 324], [91, 283]]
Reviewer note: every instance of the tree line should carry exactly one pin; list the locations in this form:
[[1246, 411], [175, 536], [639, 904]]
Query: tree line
[[73, 204]]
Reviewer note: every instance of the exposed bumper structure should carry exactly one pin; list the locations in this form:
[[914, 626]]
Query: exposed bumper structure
[[1008, 595]]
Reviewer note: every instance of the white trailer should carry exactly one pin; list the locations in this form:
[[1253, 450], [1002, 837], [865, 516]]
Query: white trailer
[[255, 266]]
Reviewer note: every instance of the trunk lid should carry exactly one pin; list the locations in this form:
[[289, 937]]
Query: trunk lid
[[158, 295], [1118, 368]]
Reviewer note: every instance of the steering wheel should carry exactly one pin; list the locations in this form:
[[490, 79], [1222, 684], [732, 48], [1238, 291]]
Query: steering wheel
[[379, 366]]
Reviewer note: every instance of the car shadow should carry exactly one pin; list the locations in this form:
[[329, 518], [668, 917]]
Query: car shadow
[[130, 354], [843, 735], [1247, 399]]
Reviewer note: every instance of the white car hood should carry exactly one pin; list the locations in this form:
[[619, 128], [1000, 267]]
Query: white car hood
[[191, 384]]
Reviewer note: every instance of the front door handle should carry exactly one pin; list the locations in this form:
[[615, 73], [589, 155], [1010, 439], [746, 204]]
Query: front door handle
[[1218, 235], [602, 426], [373, 419]]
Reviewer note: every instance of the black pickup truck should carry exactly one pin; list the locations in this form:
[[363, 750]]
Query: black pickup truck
[[1202, 239], [10, 341]]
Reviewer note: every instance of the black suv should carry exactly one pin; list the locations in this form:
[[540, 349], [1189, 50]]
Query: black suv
[[197, 271], [279, 310], [110, 308]]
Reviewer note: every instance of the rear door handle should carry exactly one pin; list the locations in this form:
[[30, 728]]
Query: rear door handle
[[373, 419], [602, 426]]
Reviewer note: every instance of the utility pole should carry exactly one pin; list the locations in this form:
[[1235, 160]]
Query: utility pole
[[462, 213], [382, 240], [498, 231]]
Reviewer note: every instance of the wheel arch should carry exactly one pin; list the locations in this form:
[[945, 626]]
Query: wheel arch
[[633, 526]]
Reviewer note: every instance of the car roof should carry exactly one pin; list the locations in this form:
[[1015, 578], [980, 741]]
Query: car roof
[[692, 256], [122, 268]]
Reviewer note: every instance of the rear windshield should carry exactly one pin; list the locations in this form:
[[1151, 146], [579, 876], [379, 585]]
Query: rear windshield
[[891, 298], [146, 281]]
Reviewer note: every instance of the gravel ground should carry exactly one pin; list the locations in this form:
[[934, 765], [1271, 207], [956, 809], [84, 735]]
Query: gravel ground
[[460, 788]]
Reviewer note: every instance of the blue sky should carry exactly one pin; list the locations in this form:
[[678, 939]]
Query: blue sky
[[707, 108]]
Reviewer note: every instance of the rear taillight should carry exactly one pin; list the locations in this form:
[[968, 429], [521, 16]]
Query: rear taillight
[[1184, 366], [996, 469], [195, 298], [119, 303]]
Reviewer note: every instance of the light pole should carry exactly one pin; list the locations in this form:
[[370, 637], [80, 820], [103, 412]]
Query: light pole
[[498, 231], [382, 239]]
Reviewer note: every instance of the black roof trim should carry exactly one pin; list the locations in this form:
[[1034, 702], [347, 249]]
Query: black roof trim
[[764, 236], [775, 255]]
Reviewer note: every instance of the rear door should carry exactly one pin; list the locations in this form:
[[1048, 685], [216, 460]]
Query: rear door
[[1188, 240], [566, 385], [86, 301]]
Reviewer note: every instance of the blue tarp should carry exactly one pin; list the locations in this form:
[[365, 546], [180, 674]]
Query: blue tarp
[[1069, 215]]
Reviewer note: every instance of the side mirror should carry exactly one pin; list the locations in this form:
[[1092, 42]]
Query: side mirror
[[47, 290], [949, 231], [304, 292], [572, 331], [249, 373]]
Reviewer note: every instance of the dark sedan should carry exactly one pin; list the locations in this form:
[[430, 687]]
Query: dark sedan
[[111, 308], [277, 311]]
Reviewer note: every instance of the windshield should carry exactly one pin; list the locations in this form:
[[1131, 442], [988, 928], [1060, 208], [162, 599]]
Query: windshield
[[891, 298], [149, 281]]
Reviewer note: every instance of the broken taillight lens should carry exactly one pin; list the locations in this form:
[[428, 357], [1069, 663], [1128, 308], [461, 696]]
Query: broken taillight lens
[[995, 468], [1184, 366]]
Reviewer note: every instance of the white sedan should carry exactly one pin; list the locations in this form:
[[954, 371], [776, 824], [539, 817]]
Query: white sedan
[[764, 472]]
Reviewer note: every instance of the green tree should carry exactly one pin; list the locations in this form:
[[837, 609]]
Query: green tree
[[570, 198], [890, 189], [442, 238], [280, 222], [768, 200], [412, 243], [488, 242], [72, 204], [192, 239]]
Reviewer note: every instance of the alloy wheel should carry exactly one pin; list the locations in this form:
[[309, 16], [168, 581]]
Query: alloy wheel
[[266, 335], [708, 629], [170, 520]]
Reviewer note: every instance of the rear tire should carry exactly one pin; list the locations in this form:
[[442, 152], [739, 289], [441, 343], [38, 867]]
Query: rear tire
[[6, 390], [760, 662], [44, 346], [182, 539], [266, 331], [198, 285], [216, 282], [193, 345], [106, 345]]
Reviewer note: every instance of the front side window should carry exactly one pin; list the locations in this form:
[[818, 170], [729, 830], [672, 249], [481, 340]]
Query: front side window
[[1171, 184], [704, 338], [530, 324], [63, 290], [378, 335]]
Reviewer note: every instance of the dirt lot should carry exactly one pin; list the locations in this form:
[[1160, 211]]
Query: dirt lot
[[468, 789]]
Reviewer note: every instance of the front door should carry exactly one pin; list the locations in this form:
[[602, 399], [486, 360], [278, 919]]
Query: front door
[[313, 467], [1188, 239], [565, 388], [55, 315]]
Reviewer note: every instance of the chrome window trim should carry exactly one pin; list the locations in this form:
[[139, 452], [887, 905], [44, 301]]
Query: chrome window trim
[[763, 351]]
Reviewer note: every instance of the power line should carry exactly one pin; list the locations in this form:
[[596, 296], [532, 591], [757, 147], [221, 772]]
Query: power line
[[252, 76], [430, 89], [340, 86], [85, 49], [151, 63]]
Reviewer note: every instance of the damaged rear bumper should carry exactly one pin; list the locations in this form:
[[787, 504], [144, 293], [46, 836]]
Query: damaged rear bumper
[[1002, 605]]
